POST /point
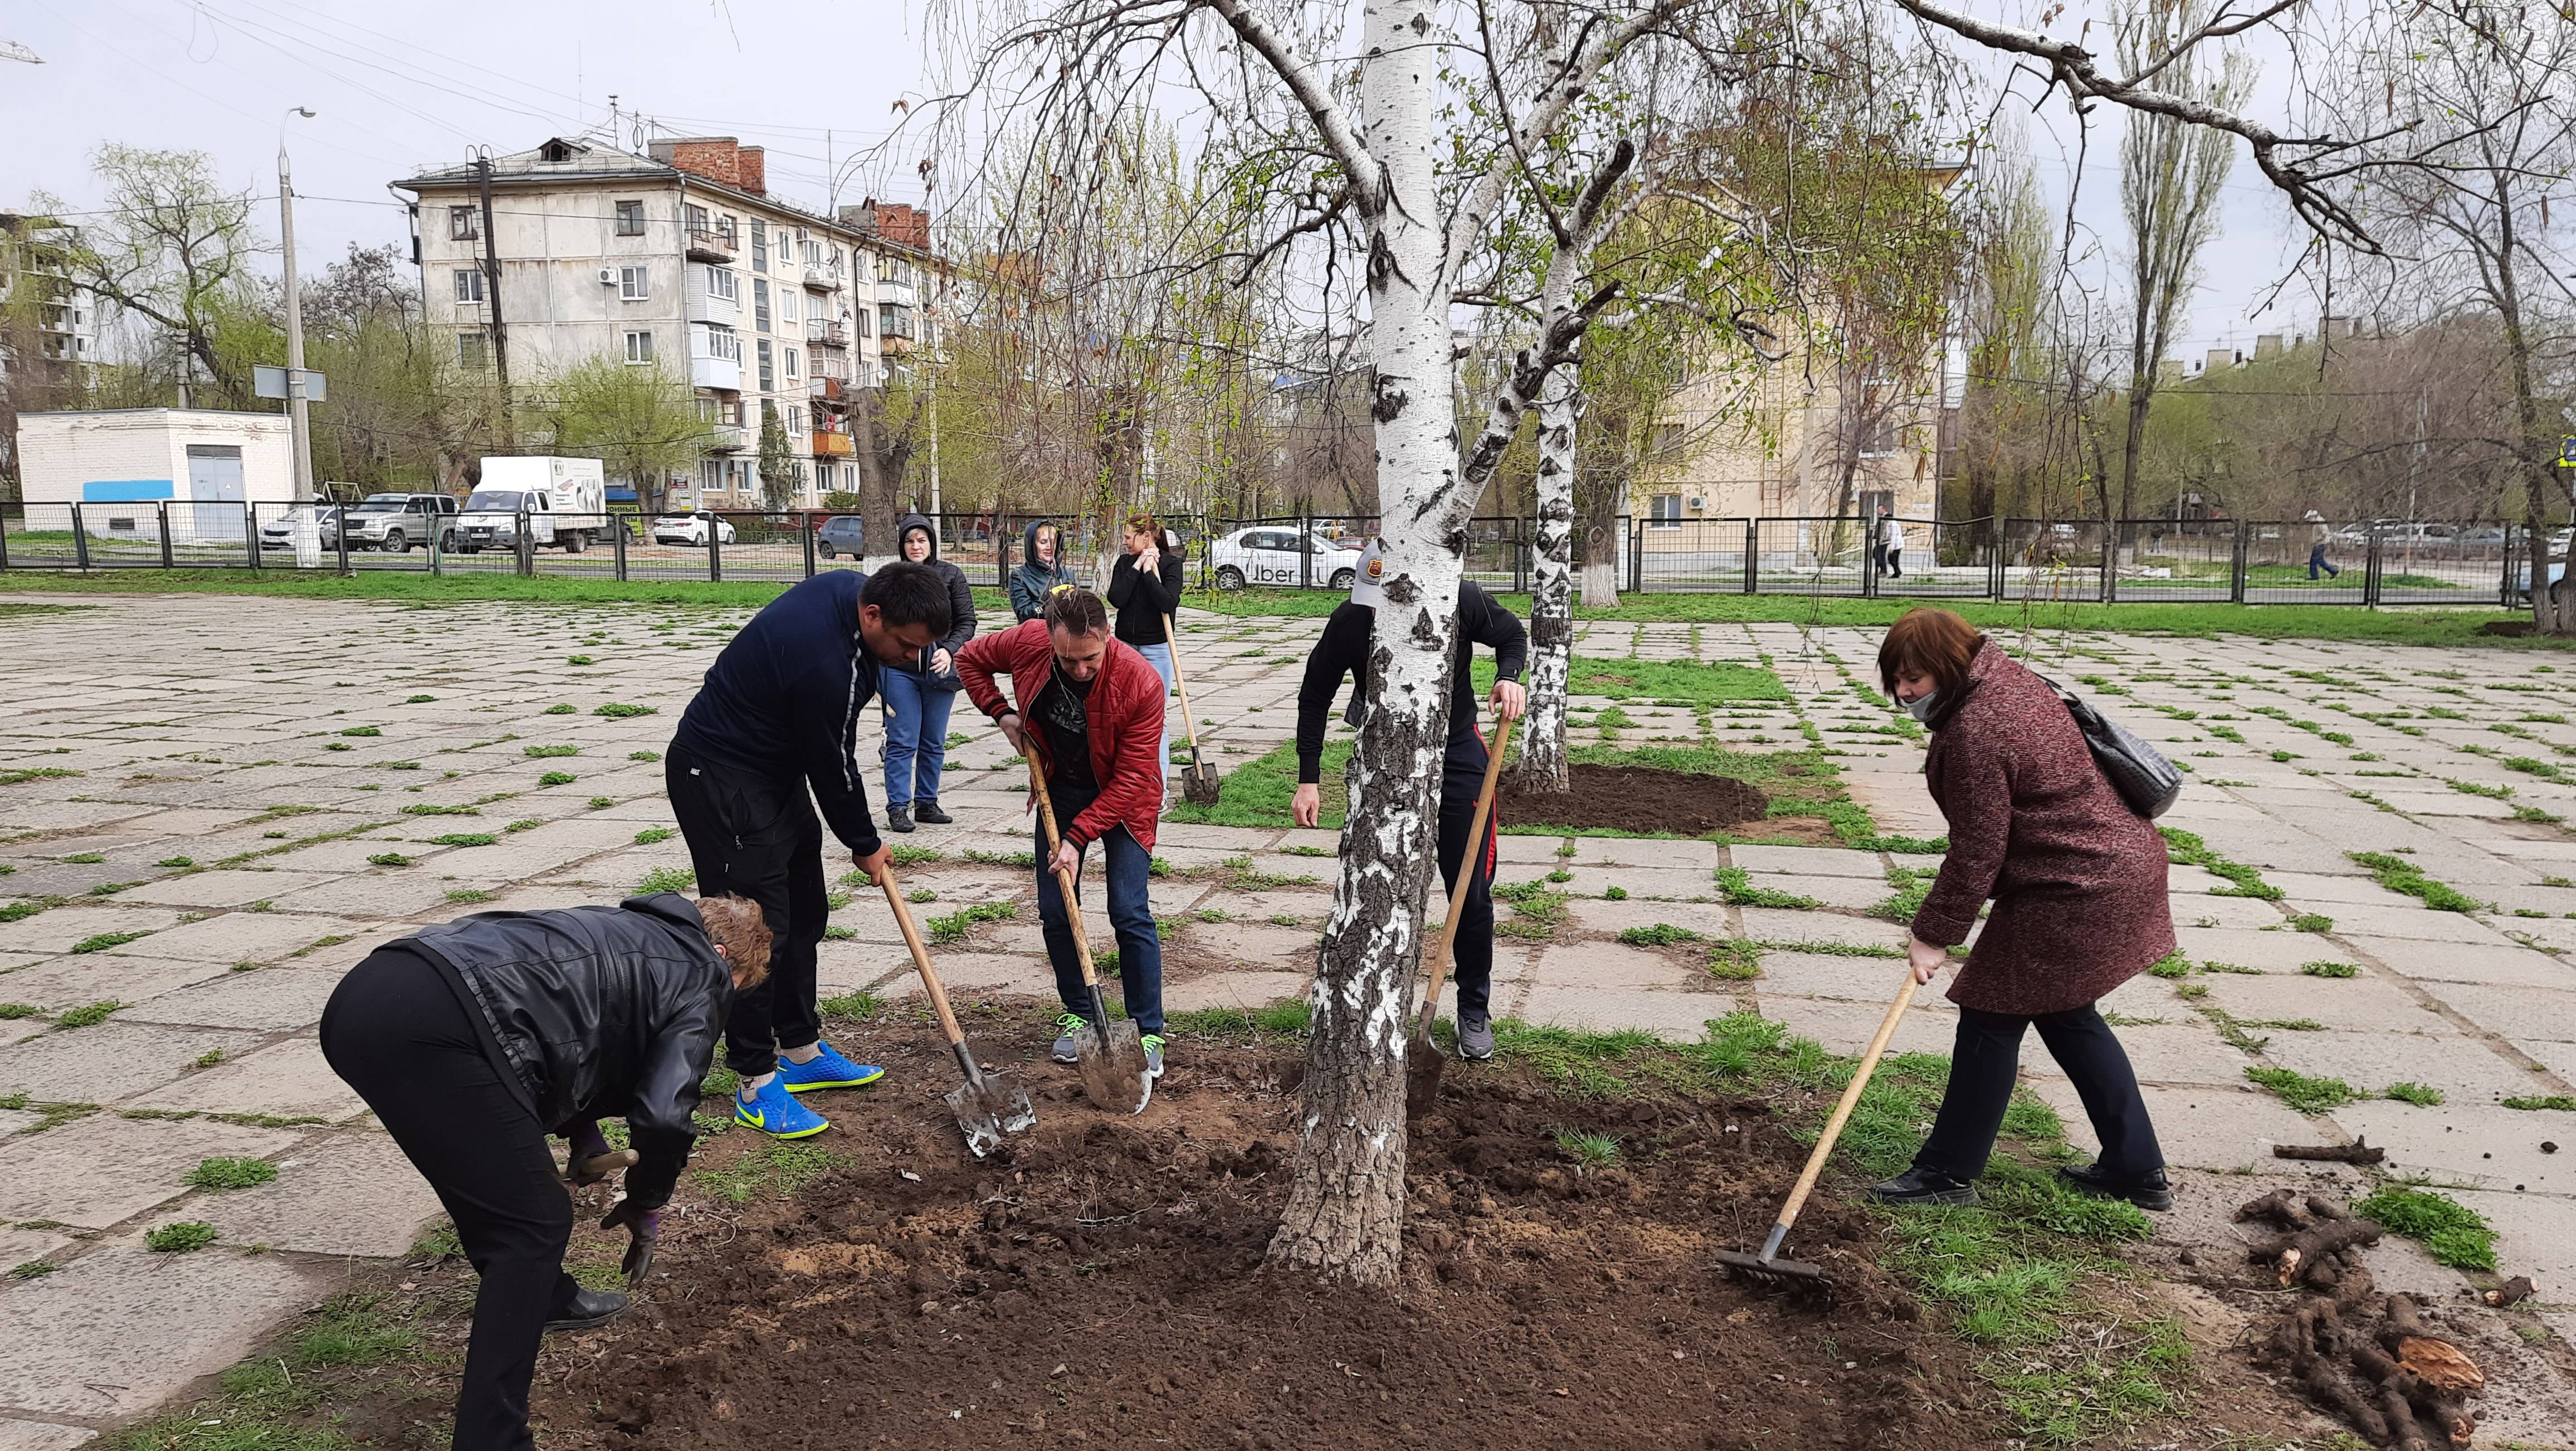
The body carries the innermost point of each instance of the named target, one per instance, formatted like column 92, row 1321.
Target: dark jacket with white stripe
column 783, row 701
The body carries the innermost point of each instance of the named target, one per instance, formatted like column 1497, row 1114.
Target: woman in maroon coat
column 2078, row 883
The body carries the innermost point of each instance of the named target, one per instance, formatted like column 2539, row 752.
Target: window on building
column 464, row 224
column 639, row 347
column 791, row 364
column 722, row 283
column 894, row 320
column 715, row 340
column 824, row 480
column 694, row 217
column 787, row 304
column 768, row 375
column 759, row 245
column 474, row 351
column 1668, row 438
column 894, row 270
column 1664, row 511
column 630, row 219
column 469, row 284
column 759, row 304
column 867, row 323
column 634, row 284
column 725, row 227
column 1878, row 438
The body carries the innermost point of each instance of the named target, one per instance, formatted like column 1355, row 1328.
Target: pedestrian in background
column 2317, row 536
column 2078, row 885
column 1144, row 591
column 1891, row 545
column 1041, row 571
column 916, row 701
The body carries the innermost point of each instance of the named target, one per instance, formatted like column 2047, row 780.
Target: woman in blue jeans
column 916, row 702
column 1144, row 589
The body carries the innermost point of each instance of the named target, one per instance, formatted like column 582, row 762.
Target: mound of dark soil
column 2510, row 629
column 1100, row 1281
column 1636, row 798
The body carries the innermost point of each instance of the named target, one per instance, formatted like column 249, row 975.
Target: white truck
column 565, row 501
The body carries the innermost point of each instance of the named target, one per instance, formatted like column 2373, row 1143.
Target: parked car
column 278, row 531
column 394, row 523
column 562, row 499
column 1271, row 556
column 841, row 534
column 2489, row 536
column 691, row 529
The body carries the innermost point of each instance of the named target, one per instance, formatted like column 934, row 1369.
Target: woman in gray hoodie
column 916, row 702
column 1041, row 569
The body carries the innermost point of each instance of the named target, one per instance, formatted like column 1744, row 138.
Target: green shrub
column 171, row 1239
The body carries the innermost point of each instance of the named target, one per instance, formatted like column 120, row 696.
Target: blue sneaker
column 828, row 1070
column 775, row 1112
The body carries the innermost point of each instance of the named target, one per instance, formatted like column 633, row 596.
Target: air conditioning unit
column 608, row 277
column 1698, row 502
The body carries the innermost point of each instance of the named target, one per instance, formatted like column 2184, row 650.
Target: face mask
column 1921, row 707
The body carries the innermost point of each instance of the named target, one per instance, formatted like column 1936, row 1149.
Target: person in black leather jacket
column 472, row 1039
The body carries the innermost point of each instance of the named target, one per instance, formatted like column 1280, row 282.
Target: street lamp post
column 308, row 534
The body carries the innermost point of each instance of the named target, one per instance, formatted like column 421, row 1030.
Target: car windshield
column 383, row 504
column 504, row 501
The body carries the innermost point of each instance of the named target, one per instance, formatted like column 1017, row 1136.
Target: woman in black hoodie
column 916, row 703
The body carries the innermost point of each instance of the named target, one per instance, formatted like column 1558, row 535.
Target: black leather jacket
column 601, row 1012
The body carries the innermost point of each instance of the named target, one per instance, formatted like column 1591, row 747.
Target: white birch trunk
column 1543, row 765
column 1345, row 1210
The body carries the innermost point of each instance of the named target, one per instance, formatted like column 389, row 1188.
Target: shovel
column 1767, row 1268
column 986, row 1107
column 1198, row 780
column 1109, row 1056
column 1423, row 1060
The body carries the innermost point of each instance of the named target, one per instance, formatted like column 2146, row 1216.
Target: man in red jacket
column 1089, row 711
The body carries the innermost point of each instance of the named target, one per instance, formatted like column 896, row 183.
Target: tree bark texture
column 1543, row 764
column 1345, row 1212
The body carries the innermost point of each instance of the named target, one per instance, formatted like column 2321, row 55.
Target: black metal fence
column 2305, row 561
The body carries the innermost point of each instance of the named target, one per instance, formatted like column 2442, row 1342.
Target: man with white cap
column 1344, row 650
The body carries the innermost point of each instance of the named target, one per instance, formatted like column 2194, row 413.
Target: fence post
column 1636, row 553
column 1752, row 555
column 4, row 538
column 1521, row 554
column 2236, row 566
column 1997, row 531
column 161, row 508
column 1306, row 550
column 523, row 542
column 1868, row 556
column 250, row 535
column 431, row 546
column 2370, row 565
column 805, row 526
column 80, row 538
column 2110, row 562
column 617, row 543
column 715, row 549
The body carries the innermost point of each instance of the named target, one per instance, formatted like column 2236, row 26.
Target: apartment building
column 681, row 259
column 48, row 323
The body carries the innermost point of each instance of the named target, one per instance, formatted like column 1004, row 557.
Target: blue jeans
column 916, row 727
column 1131, row 916
column 1160, row 657
column 2317, row 560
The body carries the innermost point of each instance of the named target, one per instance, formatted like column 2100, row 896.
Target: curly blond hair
column 735, row 924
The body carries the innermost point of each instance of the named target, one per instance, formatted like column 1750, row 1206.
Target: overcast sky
column 401, row 88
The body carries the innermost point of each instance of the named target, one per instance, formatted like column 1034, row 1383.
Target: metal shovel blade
column 1423, row 1064
column 989, row 1108
column 1199, row 783
column 1113, row 1069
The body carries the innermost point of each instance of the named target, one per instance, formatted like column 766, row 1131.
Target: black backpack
column 2138, row 771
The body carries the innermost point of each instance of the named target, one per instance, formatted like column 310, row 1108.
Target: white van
column 565, row 501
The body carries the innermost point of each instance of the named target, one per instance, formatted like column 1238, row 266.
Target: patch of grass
column 1736, row 886
column 1588, row 1150
column 2328, row 969
column 1912, row 885
column 981, row 858
column 952, row 929
column 1737, row 959
column 2312, row 922
column 105, row 940
column 652, row 834
column 32, row 1269
column 2243, row 881
column 2423, row 1095
column 544, row 753
column 2529, row 767
column 363, row 731
column 176, row 861
column 643, row 755
column 425, row 808
column 913, row 856
column 2479, row 788
column 2450, row 1231
column 21, row 910
column 557, row 778
column 1282, row 1019
column 179, row 1238
column 2400, row 875
column 617, row 710
column 2305, row 1094
column 16, row 775
column 667, row 879
column 770, row 1171
column 1536, row 911
column 465, row 838
column 230, row 1173
column 857, row 1007
column 85, row 859
column 10, row 1011
column 468, row 894
column 2559, row 1101
column 1662, row 934
column 389, row 859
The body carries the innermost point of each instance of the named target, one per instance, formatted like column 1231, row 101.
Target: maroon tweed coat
column 2077, row 878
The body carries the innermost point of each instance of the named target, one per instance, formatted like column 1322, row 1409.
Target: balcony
column 722, row 374
column 708, row 244
column 826, row 334
column 827, row 389
column 831, row 445
column 727, row 438
column 822, row 277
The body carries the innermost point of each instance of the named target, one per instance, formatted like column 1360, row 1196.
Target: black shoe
column 588, row 1311
column 927, row 812
column 2147, row 1191
column 898, row 818
column 1923, row 1187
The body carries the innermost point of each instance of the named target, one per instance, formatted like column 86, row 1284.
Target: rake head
column 1794, row 1276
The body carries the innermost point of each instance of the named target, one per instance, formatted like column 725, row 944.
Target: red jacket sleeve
column 976, row 663
column 1976, row 797
column 1133, row 790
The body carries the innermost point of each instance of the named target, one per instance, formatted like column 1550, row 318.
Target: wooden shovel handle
column 1063, row 879
column 1445, row 949
column 1851, row 1096
column 1181, row 683
column 921, row 960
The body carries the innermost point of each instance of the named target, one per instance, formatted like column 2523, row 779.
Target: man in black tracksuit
column 779, row 713
column 1344, row 649
column 473, row 1039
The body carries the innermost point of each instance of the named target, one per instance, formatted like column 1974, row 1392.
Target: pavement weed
column 1662, row 934
column 2328, row 969
column 2450, row 1231
column 179, row 1238
column 666, row 879
column 230, row 1173
column 2400, row 875
column 2559, row 1101
column 2422, row 1095
column 2299, row 1091
column 1736, row 886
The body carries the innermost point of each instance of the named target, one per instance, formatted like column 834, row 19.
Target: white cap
column 1365, row 586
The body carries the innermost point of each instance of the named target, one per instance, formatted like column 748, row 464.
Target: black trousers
column 1472, row 961
column 395, row 1030
column 1988, row 1060
column 759, row 839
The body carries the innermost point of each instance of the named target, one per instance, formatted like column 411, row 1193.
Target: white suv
column 691, row 529
column 1267, row 555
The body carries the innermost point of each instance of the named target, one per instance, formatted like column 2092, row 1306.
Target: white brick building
column 683, row 259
